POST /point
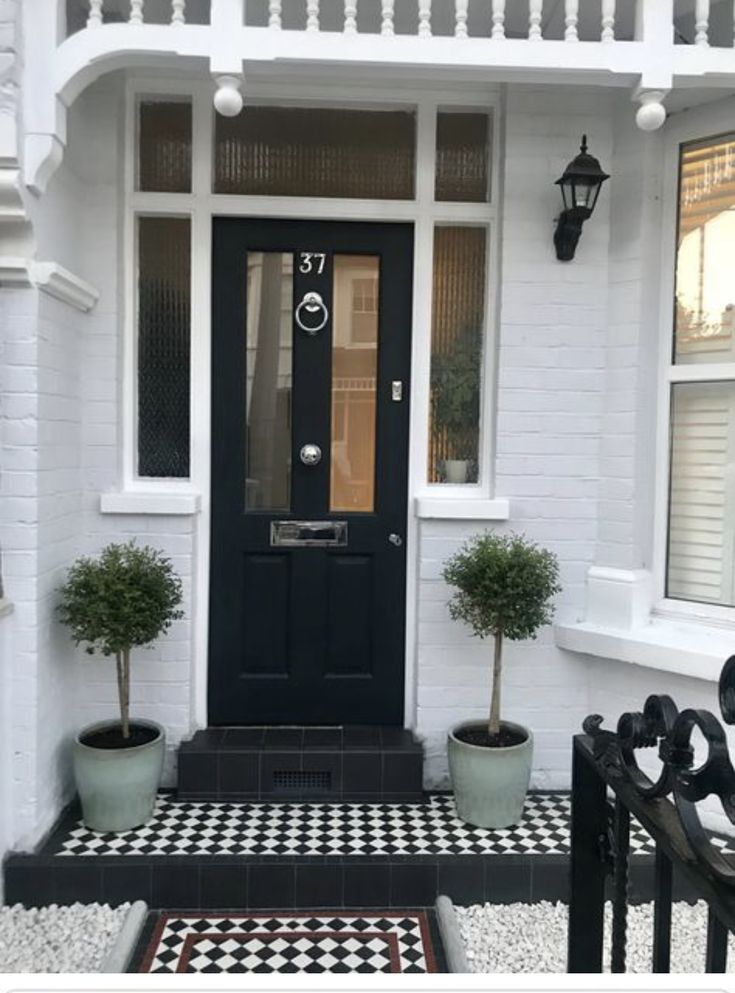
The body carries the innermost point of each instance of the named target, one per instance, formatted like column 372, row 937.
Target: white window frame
column 692, row 126
column 423, row 211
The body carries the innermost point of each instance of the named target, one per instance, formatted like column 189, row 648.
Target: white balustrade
column 535, row 12
column 136, row 11
column 312, row 15
column 701, row 22
column 424, row 18
column 178, row 7
column 350, row 26
column 460, row 18
column 95, row 14
column 274, row 14
column 608, row 20
column 571, row 17
column 386, row 26
column 498, row 30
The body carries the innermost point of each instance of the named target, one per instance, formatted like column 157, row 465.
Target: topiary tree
column 504, row 585
column 126, row 597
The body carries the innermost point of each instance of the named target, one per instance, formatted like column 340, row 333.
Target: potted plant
column 455, row 401
column 503, row 589
column 126, row 597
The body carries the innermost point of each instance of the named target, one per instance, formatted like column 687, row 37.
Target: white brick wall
column 551, row 376
column 573, row 430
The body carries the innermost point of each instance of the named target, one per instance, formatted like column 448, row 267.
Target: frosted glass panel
column 164, row 303
column 269, row 380
column 705, row 289
column 702, row 493
column 289, row 151
column 164, row 147
column 462, row 156
column 458, row 317
column 354, row 377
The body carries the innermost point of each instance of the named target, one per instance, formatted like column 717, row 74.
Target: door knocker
column 312, row 314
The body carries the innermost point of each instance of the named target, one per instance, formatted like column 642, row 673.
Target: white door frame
column 201, row 205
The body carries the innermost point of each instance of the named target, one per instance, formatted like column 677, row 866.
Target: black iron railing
column 608, row 787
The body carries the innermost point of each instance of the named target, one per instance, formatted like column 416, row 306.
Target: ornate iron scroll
column 662, row 725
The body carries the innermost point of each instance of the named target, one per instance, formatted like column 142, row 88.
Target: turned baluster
column 608, row 20
column 535, row 12
column 350, row 17
column 386, row 27
column 424, row 18
column 136, row 11
column 460, row 18
column 701, row 22
column 571, row 16
column 498, row 31
column 274, row 14
column 95, row 14
column 177, row 11
column 312, row 15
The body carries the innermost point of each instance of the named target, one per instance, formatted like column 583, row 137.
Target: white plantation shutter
column 702, row 499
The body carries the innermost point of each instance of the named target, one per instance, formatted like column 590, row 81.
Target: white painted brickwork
column 550, row 382
column 575, row 393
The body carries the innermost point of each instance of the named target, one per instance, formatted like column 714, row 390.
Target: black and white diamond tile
column 293, row 829
column 313, row 943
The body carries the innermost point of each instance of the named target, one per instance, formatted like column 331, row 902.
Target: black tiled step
column 238, row 883
column 354, row 764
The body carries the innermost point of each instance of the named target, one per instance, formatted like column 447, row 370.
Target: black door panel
column 304, row 632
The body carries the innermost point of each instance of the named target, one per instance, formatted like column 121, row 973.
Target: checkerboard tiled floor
column 263, row 943
column 293, row 829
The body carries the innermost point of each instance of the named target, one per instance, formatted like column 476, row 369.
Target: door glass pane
column 705, row 290
column 354, row 381
column 309, row 152
column 268, row 369
column 702, row 493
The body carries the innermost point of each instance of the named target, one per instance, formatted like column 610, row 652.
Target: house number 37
column 312, row 262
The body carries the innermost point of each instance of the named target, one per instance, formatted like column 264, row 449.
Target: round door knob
column 395, row 539
column 310, row 454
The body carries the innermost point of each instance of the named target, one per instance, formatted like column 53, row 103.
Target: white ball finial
column 228, row 98
column 651, row 114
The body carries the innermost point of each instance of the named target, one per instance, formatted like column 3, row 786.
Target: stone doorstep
column 350, row 764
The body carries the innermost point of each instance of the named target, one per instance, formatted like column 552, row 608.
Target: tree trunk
column 493, row 727
column 123, row 689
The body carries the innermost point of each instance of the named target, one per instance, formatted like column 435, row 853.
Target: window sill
column 454, row 509
column 686, row 649
column 150, row 502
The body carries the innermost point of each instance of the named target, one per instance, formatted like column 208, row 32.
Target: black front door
column 310, row 409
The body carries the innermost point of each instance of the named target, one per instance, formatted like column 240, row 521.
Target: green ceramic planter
column 490, row 784
column 117, row 786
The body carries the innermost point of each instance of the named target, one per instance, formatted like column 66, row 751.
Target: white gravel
column 58, row 939
column 521, row 937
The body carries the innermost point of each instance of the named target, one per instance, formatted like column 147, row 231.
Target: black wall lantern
column 580, row 188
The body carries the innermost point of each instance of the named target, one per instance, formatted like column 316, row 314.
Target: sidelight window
column 457, row 349
column 163, row 345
